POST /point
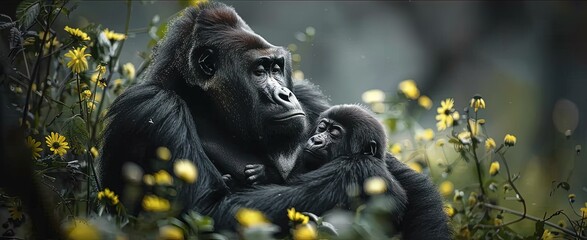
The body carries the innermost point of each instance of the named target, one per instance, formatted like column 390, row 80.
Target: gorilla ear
column 371, row 149
column 207, row 61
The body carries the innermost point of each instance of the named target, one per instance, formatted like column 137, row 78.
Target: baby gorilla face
column 327, row 141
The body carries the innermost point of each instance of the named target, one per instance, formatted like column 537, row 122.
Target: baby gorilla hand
column 255, row 174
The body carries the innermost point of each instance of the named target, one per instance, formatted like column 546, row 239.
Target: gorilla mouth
column 288, row 115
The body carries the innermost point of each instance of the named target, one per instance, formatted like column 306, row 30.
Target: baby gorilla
column 342, row 130
column 345, row 150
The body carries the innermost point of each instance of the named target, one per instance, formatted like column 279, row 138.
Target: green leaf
column 26, row 12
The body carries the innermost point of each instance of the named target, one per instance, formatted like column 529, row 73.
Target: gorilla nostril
column 284, row 96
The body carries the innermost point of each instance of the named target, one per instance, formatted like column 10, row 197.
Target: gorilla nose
column 283, row 96
column 315, row 142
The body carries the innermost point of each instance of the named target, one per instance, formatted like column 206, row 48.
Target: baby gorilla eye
column 321, row 127
column 276, row 68
column 335, row 131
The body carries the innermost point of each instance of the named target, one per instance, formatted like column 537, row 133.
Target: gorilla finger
column 251, row 171
column 252, row 178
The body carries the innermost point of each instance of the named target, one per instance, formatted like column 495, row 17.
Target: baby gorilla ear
column 371, row 149
column 207, row 61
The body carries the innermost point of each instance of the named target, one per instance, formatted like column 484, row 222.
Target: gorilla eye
column 276, row 68
column 335, row 132
column 321, row 127
column 260, row 70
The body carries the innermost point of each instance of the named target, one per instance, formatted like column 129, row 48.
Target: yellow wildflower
column 185, row 170
column 375, row 186
column 415, row 166
column 584, row 210
column 562, row 223
column 449, row 210
column 108, row 197
column 86, row 94
column 170, row 232
column 477, row 103
column 464, row 137
column 95, row 152
column 497, row 221
column 458, row 196
column 475, row 127
column 547, row 235
column 80, row 229
column 572, row 198
column 297, row 217
column 247, row 217
column 128, row 70
column 91, row 106
column 78, row 62
column 373, row 96
column 489, row 144
column 98, row 78
column 446, row 188
column 34, row 146
column 15, row 211
column 510, row 140
column 305, row 232
column 426, row 135
column 494, row 168
column 446, row 114
column 154, row 203
column 57, row 143
column 149, row 180
column 409, row 89
column 163, row 153
column 440, row 142
column 77, row 33
column 395, row 149
column 425, row 102
column 163, row 178
column 112, row 36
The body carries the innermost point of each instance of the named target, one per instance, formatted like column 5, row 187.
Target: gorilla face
column 248, row 82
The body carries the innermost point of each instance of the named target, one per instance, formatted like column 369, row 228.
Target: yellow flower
column 34, row 146
column 77, row 33
column 426, row 135
column 99, row 78
column 297, row 217
column 91, row 106
column 80, row 229
column 185, row 170
column 584, row 210
column 305, row 232
column 494, row 168
column 78, row 62
column 475, row 127
column 446, row 114
column 170, row 232
column 148, row 179
column 86, row 94
column 163, row 153
column 163, row 178
column 128, row 70
column 94, row 152
column 112, row 36
column 373, row 96
column 108, row 197
column 510, row 140
column 464, row 137
column 425, row 102
column 440, row 142
column 247, row 217
column 489, row 144
column 449, row 210
column 547, row 235
column 415, row 166
column 477, row 103
column 409, row 89
column 57, row 143
column 562, row 223
column 101, row 69
column 15, row 211
column 497, row 221
column 572, row 198
column 155, row 204
column 375, row 186
column 395, row 149
column 446, row 188
column 197, row 2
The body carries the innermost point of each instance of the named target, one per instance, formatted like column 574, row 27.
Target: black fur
column 208, row 111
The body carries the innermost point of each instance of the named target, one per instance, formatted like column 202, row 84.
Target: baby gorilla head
column 344, row 130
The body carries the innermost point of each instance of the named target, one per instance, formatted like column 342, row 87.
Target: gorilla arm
column 318, row 191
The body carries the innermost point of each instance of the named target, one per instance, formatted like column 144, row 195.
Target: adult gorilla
column 218, row 94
